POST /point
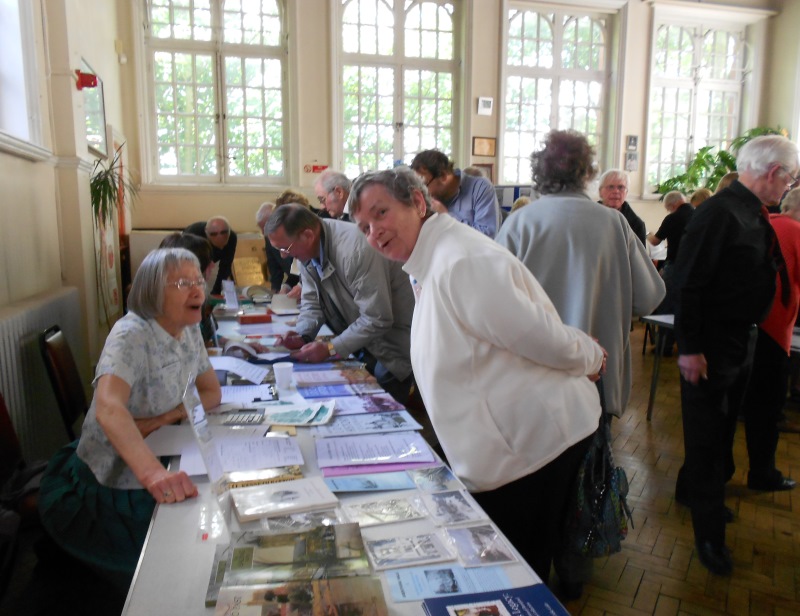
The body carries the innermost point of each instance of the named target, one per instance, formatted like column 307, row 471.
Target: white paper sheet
column 173, row 440
column 246, row 394
column 241, row 454
column 251, row 372
column 367, row 449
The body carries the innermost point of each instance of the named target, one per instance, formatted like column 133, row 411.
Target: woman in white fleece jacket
column 504, row 380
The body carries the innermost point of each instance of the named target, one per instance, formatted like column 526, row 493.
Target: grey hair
column 612, row 174
column 334, row 179
column 760, row 153
column 263, row 213
column 146, row 298
column 400, row 183
column 222, row 218
column 293, row 217
column 673, row 198
column 791, row 201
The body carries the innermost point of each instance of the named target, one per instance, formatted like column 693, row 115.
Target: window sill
column 23, row 149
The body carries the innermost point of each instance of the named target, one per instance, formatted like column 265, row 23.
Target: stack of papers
column 296, row 496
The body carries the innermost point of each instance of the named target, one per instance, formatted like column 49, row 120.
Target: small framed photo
column 631, row 161
column 632, row 143
column 485, row 105
column 484, row 146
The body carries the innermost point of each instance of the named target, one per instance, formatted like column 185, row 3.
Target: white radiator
column 23, row 378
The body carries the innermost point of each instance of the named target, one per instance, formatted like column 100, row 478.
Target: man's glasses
column 795, row 181
column 216, row 233
column 618, row 187
column 184, row 283
column 324, row 198
column 285, row 251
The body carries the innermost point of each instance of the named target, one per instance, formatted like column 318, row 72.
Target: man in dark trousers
column 725, row 275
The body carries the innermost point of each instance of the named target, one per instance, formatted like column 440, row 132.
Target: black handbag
column 597, row 512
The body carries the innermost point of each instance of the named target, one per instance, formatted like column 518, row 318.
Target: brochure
column 391, row 421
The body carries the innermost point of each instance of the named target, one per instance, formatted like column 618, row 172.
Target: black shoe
column 776, row 483
column 715, row 558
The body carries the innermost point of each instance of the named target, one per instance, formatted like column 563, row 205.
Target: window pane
column 181, row 20
column 368, row 26
column 252, row 22
column 429, row 31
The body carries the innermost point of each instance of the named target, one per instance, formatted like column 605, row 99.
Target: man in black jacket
column 217, row 230
column 613, row 192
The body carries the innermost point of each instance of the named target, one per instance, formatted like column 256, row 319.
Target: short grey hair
column 613, row 174
column 791, row 202
column 294, row 218
column 215, row 218
column 146, row 298
column 674, row 198
column 760, row 153
column 263, row 213
column 400, row 183
column 329, row 180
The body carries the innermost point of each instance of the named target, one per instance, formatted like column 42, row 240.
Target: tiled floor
column 657, row 571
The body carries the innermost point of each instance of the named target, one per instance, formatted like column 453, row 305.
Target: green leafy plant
column 108, row 186
column 708, row 167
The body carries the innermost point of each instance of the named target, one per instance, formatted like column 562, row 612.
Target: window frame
column 724, row 18
column 219, row 51
column 399, row 63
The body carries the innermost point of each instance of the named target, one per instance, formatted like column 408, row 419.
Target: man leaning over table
column 364, row 298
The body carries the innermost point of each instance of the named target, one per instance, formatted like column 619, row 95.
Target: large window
column 556, row 67
column 398, row 79
column 217, row 99
column 695, row 94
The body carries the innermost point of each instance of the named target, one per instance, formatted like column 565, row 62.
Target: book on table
column 251, row 558
column 345, row 596
column 259, row 501
column 528, row 600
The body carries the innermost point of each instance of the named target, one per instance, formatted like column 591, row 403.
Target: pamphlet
column 417, row 583
column 369, row 449
column 391, row 421
column 399, row 480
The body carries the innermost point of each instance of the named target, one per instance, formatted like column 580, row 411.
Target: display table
column 661, row 323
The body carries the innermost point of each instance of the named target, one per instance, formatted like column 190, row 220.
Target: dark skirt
column 103, row 527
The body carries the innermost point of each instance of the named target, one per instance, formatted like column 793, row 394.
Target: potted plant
column 707, row 167
column 109, row 187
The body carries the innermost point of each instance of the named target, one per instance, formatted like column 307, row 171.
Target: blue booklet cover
column 526, row 601
column 370, row 482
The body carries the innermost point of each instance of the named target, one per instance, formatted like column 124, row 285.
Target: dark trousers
column 763, row 404
column 710, row 410
column 530, row 511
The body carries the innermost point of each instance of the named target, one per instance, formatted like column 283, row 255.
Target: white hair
column 760, row 153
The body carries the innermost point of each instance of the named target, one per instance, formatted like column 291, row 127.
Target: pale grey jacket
column 364, row 298
column 595, row 271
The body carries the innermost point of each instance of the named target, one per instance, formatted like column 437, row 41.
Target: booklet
column 362, row 595
column 371, row 403
column 334, row 391
column 480, row 545
column 406, row 551
column 295, row 496
column 391, row 421
column 389, row 448
column 529, row 600
column 262, row 558
column 398, row 480
column 417, row 583
column 383, row 511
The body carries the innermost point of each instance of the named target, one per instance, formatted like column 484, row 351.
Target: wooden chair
column 64, row 377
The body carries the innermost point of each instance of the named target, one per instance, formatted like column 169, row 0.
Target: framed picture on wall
column 95, row 112
column 488, row 170
column 484, row 146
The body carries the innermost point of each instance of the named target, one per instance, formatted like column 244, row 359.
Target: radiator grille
column 23, row 377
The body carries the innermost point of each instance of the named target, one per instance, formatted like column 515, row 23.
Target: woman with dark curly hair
column 587, row 258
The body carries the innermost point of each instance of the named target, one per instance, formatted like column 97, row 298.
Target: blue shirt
column 475, row 204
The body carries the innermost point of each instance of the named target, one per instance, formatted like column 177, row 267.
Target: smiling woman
column 98, row 493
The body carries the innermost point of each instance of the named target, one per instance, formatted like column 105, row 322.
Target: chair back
column 64, row 376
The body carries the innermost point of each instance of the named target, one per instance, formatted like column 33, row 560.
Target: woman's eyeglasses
column 184, row 283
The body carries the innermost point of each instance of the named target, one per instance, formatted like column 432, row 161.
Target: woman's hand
column 147, row 425
column 168, row 487
column 596, row 377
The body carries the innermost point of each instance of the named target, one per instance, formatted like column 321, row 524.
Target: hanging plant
column 107, row 187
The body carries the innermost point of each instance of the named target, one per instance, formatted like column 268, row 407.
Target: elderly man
column 725, row 277
column 613, row 192
column 281, row 277
column 332, row 189
column 365, row 299
column 467, row 198
column 766, row 393
column 223, row 246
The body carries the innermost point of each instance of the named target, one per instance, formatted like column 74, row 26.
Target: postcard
column 452, row 507
column 480, row 545
column 299, row 522
column 383, row 511
column 406, row 551
column 435, row 479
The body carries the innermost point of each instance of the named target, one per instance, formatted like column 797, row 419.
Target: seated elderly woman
column 98, row 494
column 504, row 381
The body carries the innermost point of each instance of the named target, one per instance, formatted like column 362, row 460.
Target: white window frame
column 722, row 18
column 611, row 11
column 145, row 80
column 399, row 63
column 17, row 28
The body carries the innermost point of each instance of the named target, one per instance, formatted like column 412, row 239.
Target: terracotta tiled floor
column 657, row 571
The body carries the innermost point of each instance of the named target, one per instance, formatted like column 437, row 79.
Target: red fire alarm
column 85, row 80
